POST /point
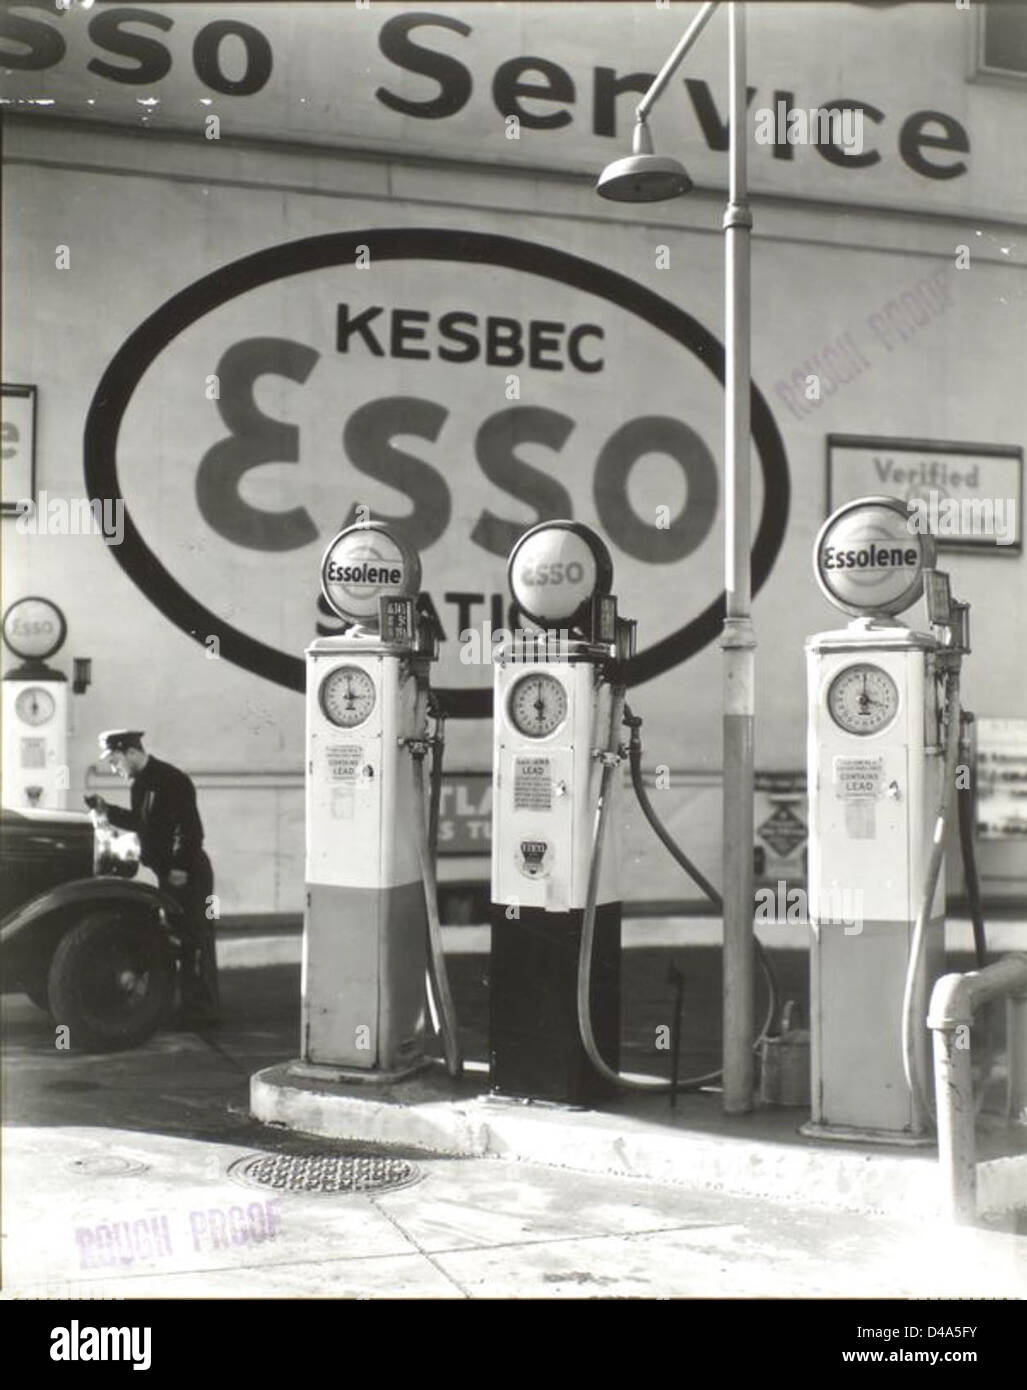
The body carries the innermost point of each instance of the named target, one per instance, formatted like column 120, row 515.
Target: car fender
column 84, row 892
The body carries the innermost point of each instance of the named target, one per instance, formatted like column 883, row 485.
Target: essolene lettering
column 870, row 557
column 363, row 574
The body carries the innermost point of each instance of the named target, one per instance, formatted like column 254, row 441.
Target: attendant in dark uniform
column 170, row 831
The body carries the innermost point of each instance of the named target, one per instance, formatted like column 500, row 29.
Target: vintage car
column 83, row 940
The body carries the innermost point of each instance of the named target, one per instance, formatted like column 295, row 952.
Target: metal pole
column 957, row 1152
column 954, row 1002
column 672, row 64
column 738, row 642
column 1016, row 1048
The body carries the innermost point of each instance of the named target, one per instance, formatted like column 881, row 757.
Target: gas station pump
column 882, row 748
column 557, row 713
column 35, row 707
column 559, row 707
column 371, row 926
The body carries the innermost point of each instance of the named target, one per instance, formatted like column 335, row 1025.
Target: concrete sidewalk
column 119, row 1181
column 170, row 1223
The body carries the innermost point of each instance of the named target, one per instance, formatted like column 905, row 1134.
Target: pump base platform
column 322, row 1071
column 536, row 1050
column 849, row 1135
column 760, row 1154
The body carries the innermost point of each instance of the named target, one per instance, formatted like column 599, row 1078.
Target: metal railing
column 954, row 1000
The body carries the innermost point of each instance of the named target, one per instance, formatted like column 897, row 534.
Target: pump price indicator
column 863, row 699
column 35, row 705
column 538, row 705
column 347, row 696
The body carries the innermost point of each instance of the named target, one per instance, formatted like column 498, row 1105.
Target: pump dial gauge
column 538, row 705
column 863, row 699
column 347, row 696
column 35, row 705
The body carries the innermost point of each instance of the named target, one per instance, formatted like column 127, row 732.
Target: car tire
column 112, row 981
column 38, row 992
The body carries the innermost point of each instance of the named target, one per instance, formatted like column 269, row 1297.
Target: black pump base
column 535, row 1050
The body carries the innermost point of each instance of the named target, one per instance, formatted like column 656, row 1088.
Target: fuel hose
column 965, row 810
column 437, row 974
column 956, row 747
column 914, row 1080
column 610, row 758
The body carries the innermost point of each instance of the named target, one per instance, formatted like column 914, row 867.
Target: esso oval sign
column 556, row 569
column 458, row 387
column 869, row 559
column 362, row 564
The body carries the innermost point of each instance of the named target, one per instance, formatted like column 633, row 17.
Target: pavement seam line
column 216, row 1047
column 115, row 1275
column 600, row 1235
column 465, row 1293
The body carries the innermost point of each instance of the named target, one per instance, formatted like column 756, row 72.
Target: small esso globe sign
column 34, row 628
column 555, row 570
column 364, row 563
column 868, row 557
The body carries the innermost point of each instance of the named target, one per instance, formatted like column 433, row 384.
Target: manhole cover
column 106, row 1165
column 330, row 1173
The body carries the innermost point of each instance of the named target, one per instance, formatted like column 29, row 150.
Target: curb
column 421, row 1113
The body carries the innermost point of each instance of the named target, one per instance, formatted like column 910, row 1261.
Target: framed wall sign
column 1002, row 779
column 969, row 496
column 17, row 446
column 999, row 45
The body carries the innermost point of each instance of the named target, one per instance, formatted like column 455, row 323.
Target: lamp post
column 646, row 177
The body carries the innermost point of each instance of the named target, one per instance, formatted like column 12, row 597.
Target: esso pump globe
column 556, row 569
column 34, row 629
column 364, row 563
column 868, row 559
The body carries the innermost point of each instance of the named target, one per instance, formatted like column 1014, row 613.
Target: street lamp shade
column 643, row 177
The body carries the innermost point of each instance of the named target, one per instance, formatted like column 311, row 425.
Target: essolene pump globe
column 869, row 560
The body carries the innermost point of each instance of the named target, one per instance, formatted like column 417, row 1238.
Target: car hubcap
column 119, row 982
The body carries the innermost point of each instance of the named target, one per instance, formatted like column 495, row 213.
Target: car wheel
column 111, row 981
